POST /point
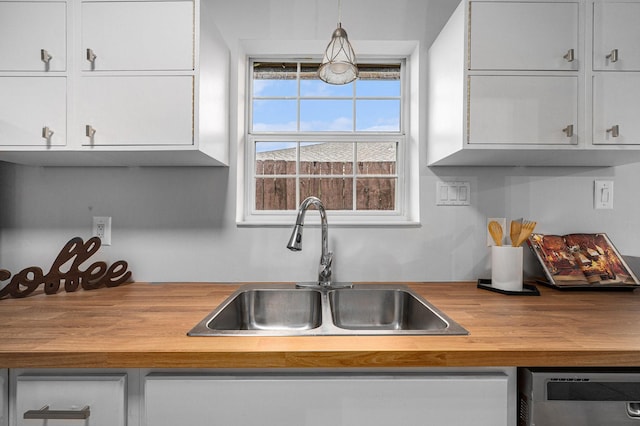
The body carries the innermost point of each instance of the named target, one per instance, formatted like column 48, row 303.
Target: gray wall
column 178, row 224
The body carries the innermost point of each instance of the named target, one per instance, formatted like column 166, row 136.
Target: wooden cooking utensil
column 514, row 231
column 525, row 232
column 495, row 230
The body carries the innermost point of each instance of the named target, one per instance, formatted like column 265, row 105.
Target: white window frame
column 407, row 194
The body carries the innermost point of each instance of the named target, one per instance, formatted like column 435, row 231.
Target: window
column 344, row 144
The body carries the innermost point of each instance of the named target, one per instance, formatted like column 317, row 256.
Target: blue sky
column 275, row 106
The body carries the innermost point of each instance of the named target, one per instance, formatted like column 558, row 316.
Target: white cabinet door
column 523, row 110
column 146, row 35
column 325, row 400
column 28, row 105
column 136, row 110
column 523, row 36
column 616, row 108
column 101, row 398
column 616, row 32
column 28, row 27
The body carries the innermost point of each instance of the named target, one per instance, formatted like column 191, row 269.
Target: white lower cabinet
column 158, row 397
column 61, row 399
column 326, row 399
column 4, row 397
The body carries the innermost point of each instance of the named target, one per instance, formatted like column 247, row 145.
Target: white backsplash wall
column 178, row 224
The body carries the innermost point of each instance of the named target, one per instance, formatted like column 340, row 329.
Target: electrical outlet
column 102, row 229
column 503, row 223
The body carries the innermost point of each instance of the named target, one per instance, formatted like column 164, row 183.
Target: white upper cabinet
column 159, row 110
column 616, row 34
column 125, row 36
column 616, row 73
column 522, row 109
column 523, row 36
column 145, row 83
column 616, row 109
column 33, row 36
column 520, row 83
column 33, row 111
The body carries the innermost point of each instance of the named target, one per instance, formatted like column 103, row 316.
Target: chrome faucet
column 326, row 257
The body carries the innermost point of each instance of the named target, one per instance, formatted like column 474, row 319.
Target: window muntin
column 343, row 144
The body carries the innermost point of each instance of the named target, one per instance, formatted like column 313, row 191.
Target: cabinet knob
column 570, row 55
column 47, row 133
column 613, row 56
column 568, row 130
column 45, row 414
column 91, row 57
column 614, row 130
column 46, row 58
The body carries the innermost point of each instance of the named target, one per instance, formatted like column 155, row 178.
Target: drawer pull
column 613, row 56
column 45, row 414
column 90, row 132
column 91, row 57
column 614, row 130
column 570, row 55
column 568, row 130
column 46, row 58
column 47, row 133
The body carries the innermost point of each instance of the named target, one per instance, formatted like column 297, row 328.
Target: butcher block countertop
column 144, row 325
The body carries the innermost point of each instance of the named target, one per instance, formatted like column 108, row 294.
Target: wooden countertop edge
column 315, row 359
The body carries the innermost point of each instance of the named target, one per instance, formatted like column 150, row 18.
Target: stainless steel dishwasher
column 584, row 397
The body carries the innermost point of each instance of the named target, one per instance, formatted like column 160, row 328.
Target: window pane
column 326, row 115
column 275, row 80
column 376, row 194
column 274, row 116
column 378, row 88
column 349, row 172
column 275, row 158
column 274, row 88
column 378, row 115
column 377, row 158
column 336, row 193
column 318, row 88
column 326, row 158
column 275, row 194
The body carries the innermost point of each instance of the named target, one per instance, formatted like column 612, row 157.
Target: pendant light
column 339, row 61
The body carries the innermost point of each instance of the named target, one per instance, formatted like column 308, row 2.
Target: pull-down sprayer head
column 295, row 242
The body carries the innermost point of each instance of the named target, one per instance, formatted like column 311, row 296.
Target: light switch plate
column 603, row 194
column 449, row 193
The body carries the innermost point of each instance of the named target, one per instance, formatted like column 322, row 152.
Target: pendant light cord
column 339, row 12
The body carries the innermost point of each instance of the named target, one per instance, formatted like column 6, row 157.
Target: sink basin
column 284, row 310
column 270, row 309
column 382, row 309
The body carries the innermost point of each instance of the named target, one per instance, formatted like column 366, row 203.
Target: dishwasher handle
column 633, row 409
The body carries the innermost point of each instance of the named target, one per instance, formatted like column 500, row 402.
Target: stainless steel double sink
column 285, row 310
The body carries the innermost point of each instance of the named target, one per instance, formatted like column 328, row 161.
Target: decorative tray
column 527, row 289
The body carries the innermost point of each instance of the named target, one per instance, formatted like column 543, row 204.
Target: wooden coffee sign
column 73, row 254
